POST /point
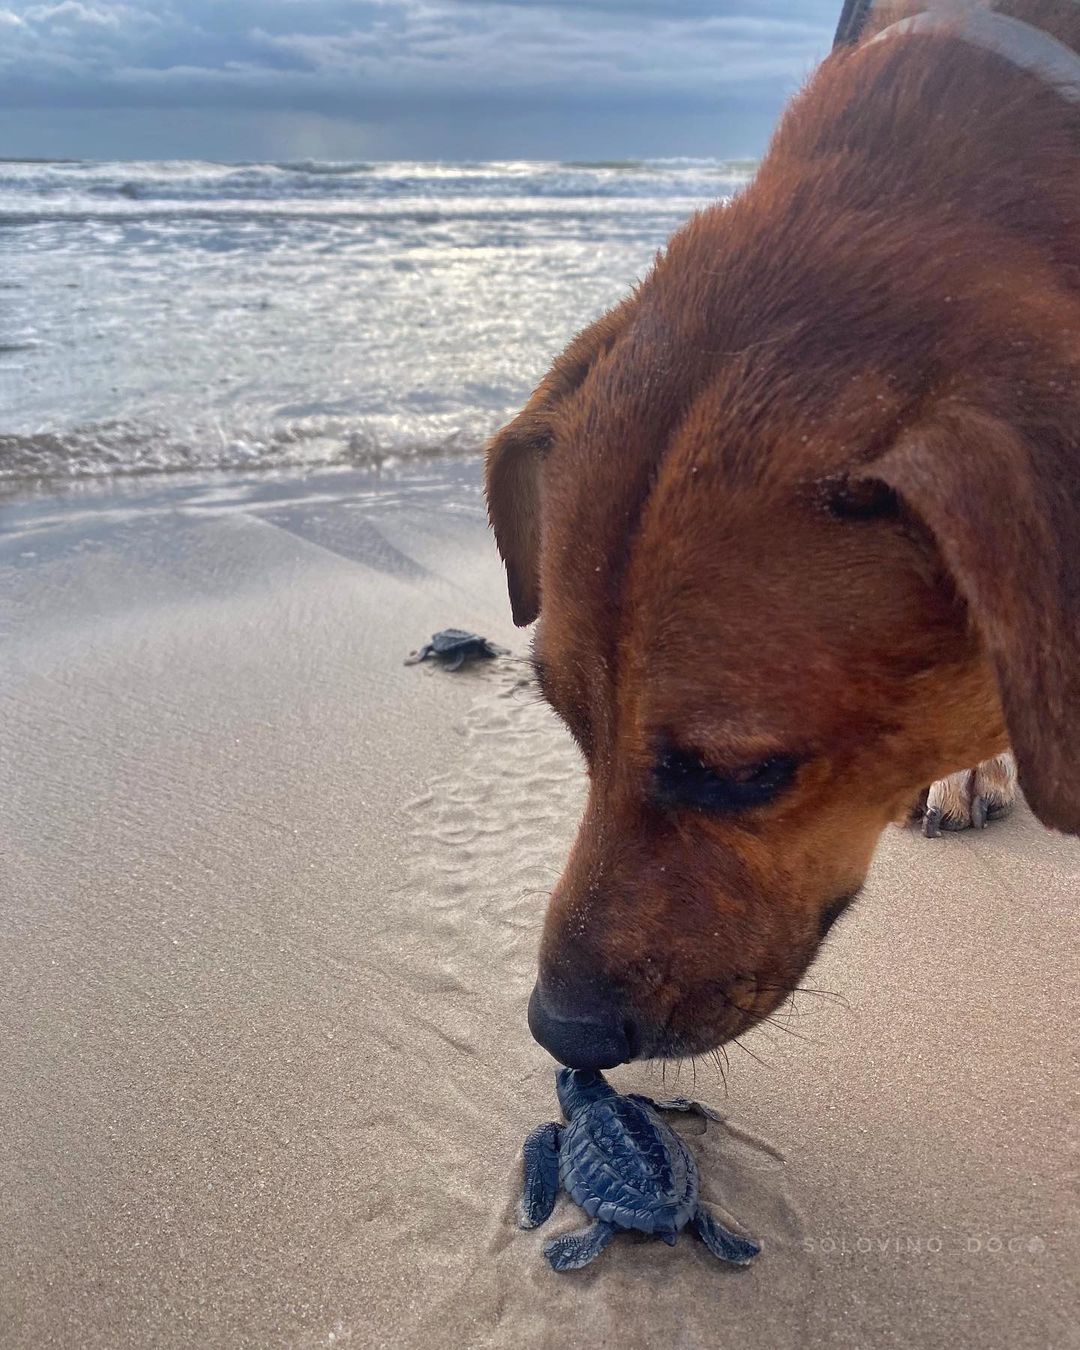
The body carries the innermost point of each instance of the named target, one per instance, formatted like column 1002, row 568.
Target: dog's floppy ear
column 1004, row 509
column 515, row 459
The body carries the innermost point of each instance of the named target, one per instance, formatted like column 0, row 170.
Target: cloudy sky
column 235, row 79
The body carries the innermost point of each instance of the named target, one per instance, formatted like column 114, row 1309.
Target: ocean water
column 166, row 316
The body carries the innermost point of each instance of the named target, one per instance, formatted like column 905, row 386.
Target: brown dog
column 801, row 522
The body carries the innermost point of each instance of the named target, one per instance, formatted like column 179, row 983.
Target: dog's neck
column 1022, row 44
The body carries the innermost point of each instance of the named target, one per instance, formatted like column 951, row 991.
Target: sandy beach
column 269, row 903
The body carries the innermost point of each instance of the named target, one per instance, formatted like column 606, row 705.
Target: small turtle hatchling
column 453, row 647
column 625, row 1167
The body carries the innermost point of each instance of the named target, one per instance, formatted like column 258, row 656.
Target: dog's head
column 799, row 541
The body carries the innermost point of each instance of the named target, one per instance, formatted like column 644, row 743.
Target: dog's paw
column 971, row 799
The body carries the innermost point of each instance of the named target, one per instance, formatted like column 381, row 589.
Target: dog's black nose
column 592, row 1033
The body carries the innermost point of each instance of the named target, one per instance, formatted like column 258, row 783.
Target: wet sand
column 269, row 903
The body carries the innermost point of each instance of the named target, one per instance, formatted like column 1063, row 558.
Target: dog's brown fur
column 697, row 502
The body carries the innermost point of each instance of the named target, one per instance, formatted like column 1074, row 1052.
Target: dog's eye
column 861, row 499
column 683, row 779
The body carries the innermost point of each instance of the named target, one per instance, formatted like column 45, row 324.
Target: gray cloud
column 382, row 63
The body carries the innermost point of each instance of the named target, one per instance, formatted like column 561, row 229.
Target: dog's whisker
column 714, row 1055
column 795, row 1035
column 778, row 1025
column 787, row 1020
column 828, row 994
column 764, row 1064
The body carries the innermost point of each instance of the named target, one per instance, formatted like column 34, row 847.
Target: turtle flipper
column 670, row 1238
column 721, row 1241
column 574, row 1250
column 541, row 1176
column 679, row 1104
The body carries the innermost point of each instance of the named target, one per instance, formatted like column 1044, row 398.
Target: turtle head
column 578, row 1088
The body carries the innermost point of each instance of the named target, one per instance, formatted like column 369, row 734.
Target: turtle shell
column 453, row 640
column 623, row 1165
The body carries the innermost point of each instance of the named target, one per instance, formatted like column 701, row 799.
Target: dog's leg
column 972, row 798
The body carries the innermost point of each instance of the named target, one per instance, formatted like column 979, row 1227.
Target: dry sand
column 267, row 927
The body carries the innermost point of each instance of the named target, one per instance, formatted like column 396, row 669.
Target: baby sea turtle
column 625, row 1167
column 453, row 647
